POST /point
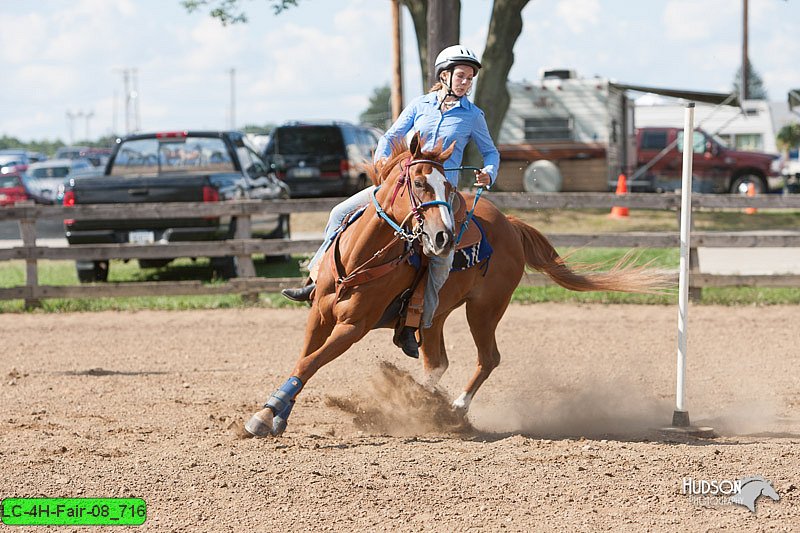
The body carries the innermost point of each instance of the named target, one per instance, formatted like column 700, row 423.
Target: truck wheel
column 92, row 271
column 740, row 184
column 225, row 267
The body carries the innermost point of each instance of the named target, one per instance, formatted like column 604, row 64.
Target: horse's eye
column 418, row 184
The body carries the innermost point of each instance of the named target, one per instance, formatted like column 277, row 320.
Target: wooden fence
column 243, row 246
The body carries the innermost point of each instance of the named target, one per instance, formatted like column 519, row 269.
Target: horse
column 364, row 271
column 751, row 489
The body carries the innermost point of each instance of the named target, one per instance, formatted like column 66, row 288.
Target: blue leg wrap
column 282, row 399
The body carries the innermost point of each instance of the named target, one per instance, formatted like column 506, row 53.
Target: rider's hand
column 482, row 179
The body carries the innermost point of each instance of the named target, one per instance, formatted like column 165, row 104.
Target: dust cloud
column 396, row 404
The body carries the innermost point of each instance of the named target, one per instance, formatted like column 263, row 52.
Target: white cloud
column 690, row 20
column 578, row 14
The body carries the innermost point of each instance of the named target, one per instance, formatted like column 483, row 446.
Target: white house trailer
column 751, row 127
column 565, row 133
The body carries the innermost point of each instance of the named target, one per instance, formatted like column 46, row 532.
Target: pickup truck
column 715, row 167
column 182, row 166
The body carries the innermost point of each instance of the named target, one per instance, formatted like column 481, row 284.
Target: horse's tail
column 621, row 277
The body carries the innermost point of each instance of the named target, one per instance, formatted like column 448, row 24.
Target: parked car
column 43, row 181
column 181, row 166
column 715, row 167
column 321, row 158
column 97, row 156
column 13, row 162
column 11, row 189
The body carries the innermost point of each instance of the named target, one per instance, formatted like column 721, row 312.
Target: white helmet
column 458, row 54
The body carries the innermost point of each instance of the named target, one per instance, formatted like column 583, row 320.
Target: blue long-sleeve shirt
column 462, row 122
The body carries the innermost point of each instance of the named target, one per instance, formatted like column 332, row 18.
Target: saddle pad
column 464, row 257
column 468, row 256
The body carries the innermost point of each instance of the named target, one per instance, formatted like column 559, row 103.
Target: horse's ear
column 416, row 146
column 447, row 153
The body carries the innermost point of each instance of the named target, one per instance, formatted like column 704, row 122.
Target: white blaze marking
column 437, row 181
column 462, row 402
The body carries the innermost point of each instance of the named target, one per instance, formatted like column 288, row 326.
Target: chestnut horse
column 412, row 206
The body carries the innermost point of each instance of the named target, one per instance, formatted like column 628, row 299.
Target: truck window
column 174, row 154
column 548, row 129
column 654, row 140
column 698, row 142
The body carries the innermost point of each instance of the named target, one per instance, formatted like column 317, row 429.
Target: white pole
column 683, row 282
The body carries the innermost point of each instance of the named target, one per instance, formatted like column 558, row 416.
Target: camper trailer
column 565, row 133
column 572, row 134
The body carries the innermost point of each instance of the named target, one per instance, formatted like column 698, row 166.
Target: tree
column 505, row 27
column 379, row 111
column 755, row 85
column 788, row 137
column 229, row 12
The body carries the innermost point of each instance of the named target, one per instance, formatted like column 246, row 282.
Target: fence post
column 27, row 230
column 245, row 261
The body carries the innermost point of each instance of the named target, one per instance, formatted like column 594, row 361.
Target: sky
column 324, row 58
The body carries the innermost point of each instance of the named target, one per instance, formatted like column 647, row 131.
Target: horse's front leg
column 272, row 419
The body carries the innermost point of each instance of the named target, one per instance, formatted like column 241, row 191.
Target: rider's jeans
column 438, row 270
column 335, row 219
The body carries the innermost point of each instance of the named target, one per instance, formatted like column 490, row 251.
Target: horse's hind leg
column 434, row 354
column 483, row 318
column 271, row 420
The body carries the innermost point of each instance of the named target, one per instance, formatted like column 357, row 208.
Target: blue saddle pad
column 465, row 257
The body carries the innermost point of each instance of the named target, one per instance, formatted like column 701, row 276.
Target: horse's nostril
column 441, row 239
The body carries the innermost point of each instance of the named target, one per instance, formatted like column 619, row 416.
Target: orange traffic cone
column 622, row 188
column 751, row 192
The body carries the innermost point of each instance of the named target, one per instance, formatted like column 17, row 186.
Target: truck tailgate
column 140, row 189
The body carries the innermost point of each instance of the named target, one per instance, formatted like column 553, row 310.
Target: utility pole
column 137, row 125
column 397, row 60
column 232, row 116
column 71, row 120
column 745, row 62
column 127, row 88
column 88, row 116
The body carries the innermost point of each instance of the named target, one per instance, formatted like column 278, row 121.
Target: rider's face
column 461, row 79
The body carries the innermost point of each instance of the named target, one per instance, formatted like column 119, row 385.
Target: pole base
column 681, row 426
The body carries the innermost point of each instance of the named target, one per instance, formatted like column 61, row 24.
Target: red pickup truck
column 715, row 167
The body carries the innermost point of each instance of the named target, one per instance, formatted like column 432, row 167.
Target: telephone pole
column 397, row 60
column 743, row 92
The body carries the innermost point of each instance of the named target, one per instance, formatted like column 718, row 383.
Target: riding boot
column 300, row 294
column 407, row 341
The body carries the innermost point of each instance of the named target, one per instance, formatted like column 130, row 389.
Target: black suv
column 321, row 158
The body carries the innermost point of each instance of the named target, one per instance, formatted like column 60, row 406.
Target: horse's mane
column 381, row 170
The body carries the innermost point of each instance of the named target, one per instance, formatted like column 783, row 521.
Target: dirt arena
column 564, row 433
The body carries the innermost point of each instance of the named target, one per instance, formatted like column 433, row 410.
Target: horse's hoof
column 260, row 424
column 278, row 426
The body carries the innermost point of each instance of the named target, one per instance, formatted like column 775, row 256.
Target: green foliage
column 379, row 110
column 755, row 85
column 789, row 136
column 231, row 11
column 265, row 129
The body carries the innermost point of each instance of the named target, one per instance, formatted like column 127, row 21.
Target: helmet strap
column 449, row 85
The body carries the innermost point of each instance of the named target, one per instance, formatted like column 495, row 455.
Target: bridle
column 417, row 206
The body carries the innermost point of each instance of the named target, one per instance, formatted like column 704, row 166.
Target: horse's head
column 420, row 176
